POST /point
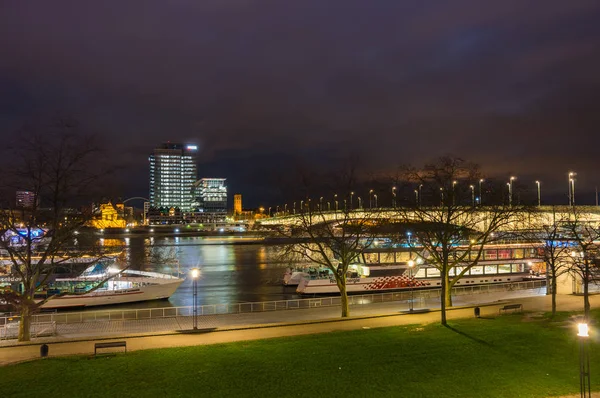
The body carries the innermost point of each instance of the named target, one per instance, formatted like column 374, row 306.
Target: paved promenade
column 162, row 333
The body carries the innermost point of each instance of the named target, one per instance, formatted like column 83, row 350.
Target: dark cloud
column 511, row 84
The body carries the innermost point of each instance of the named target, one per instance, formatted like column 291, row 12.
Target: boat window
column 517, row 253
column 477, row 270
column 460, row 253
column 491, row 269
column 504, row 269
column 491, row 254
column 518, row 268
column 371, row 258
column 432, row 272
column 504, row 254
column 420, row 274
column 402, row 257
column 386, row 258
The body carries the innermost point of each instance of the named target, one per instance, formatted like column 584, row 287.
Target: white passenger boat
column 388, row 270
column 126, row 287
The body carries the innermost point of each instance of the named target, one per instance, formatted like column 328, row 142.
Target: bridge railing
column 246, row 308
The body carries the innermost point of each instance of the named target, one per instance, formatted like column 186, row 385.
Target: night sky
column 264, row 85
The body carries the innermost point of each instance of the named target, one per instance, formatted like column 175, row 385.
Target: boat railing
column 244, row 308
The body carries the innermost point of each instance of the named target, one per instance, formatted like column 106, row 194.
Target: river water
column 232, row 271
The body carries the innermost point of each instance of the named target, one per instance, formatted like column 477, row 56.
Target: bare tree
column 449, row 231
column 585, row 252
column 332, row 240
column 550, row 236
column 42, row 237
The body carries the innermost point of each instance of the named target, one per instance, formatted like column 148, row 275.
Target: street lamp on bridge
column 539, row 193
column 375, row 196
column 472, row 195
column 480, row 193
column 336, row 201
column 394, row 197
column 351, row 195
column 454, row 192
column 370, row 199
column 359, row 202
column 572, row 188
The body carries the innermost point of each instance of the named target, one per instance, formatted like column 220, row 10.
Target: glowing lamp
column 583, row 330
column 411, row 263
column 195, row 273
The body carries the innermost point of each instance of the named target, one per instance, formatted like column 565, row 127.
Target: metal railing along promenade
column 245, row 308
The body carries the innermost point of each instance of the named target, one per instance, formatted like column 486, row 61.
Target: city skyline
column 265, row 88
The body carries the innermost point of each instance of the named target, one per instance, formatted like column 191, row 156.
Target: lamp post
column 481, row 180
column 416, row 198
column 454, row 193
column 294, row 208
column 370, row 198
column 336, row 201
column 539, row 191
column 375, row 197
column 301, row 206
column 571, row 184
column 409, row 234
column 351, row 195
column 510, row 190
column 584, row 361
column 328, row 206
column 195, row 272
column 321, row 203
column 394, row 197
column 269, row 212
column 441, row 196
column 411, row 264
column 359, row 202
column 472, row 195
column 285, row 209
column 572, row 187
column 420, row 195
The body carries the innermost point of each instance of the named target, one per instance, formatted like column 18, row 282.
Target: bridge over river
column 527, row 219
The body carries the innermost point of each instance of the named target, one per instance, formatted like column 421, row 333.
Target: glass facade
column 210, row 195
column 173, row 173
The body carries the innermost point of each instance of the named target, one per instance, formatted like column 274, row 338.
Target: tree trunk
column 344, row 299
column 445, row 299
column 553, row 288
column 586, row 298
column 25, row 323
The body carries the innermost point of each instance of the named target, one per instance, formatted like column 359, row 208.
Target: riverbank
column 523, row 355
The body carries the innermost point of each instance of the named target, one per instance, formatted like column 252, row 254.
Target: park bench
column 511, row 307
column 110, row 344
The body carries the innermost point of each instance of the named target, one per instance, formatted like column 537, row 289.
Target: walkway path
column 238, row 327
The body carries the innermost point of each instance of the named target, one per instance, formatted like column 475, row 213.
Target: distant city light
column 192, row 147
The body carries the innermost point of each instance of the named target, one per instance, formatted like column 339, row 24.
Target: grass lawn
column 510, row 356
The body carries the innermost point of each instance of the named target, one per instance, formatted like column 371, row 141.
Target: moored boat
column 123, row 287
column 388, row 270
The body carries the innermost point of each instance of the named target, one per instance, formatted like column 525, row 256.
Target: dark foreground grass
column 509, row 356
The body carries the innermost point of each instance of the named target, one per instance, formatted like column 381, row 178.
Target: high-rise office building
column 210, row 196
column 173, row 172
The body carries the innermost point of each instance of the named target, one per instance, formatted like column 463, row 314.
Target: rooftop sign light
column 192, row 147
